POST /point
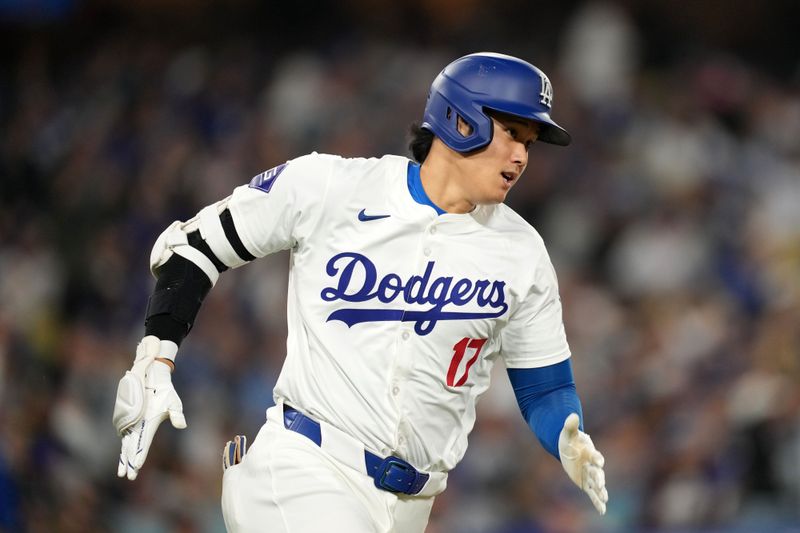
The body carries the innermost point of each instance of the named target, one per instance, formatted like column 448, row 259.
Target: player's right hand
column 145, row 398
column 582, row 462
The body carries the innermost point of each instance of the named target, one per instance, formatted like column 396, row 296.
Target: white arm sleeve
column 281, row 206
column 535, row 336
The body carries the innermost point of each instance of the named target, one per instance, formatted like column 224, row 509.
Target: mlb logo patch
column 266, row 179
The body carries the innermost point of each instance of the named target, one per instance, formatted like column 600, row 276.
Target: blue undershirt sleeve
column 546, row 396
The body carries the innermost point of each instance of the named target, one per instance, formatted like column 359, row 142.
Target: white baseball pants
column 287, row 484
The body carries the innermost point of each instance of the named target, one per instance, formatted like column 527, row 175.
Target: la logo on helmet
column 547, row 92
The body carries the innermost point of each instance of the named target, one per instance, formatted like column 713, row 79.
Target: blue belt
column 391, row 474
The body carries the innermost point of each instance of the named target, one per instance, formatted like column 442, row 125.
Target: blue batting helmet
column 473, row 84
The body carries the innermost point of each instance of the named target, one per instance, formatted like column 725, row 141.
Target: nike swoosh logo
column 363, row 217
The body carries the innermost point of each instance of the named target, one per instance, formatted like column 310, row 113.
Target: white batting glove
column 234, row 451
column 145, row 398
column 582, row 462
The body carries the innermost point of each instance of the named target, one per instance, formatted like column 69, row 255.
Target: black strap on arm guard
column 180, row 290
column 233, row 236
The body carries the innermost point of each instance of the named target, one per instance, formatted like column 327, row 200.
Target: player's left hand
column 145, row 398
column 582, row 462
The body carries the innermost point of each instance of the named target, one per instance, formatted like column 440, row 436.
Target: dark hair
column 420, row 141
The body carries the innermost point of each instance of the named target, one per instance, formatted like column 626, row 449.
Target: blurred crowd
column 673, row 221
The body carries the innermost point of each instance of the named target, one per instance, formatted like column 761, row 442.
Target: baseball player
column 408, row 281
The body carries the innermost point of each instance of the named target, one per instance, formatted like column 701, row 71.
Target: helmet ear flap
column 462, row 128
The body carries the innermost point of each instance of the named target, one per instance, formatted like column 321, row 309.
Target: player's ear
column 464, row 128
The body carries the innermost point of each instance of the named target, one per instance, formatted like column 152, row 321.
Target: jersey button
column 395, row 390
column 426, row 251
column 405, row 335
column 433, row 230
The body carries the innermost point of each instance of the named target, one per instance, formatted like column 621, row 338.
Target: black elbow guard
column 173, row 306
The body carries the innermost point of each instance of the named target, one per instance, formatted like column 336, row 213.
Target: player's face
column 494, row 170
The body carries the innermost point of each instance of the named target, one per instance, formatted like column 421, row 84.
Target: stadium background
column 673, row 221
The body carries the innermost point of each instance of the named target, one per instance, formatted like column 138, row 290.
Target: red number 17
column 459, row 350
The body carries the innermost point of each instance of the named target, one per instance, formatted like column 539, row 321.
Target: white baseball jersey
column 396, row 315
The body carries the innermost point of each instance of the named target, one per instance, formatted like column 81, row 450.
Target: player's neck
column 443, row 181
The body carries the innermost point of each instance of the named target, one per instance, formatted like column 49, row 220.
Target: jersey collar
column 416, row 189
column 405, row 206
